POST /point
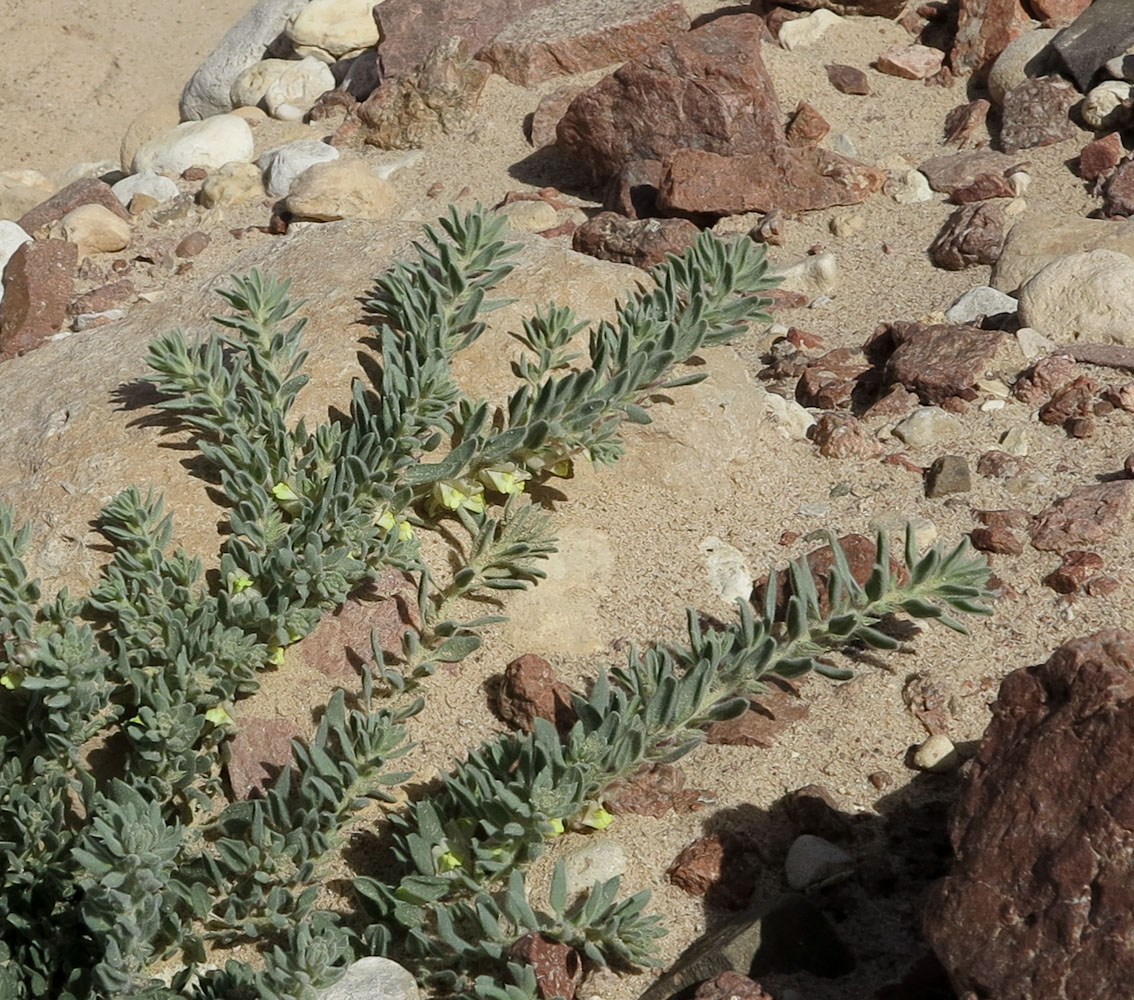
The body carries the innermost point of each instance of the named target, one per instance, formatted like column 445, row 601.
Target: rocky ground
column 951, row 344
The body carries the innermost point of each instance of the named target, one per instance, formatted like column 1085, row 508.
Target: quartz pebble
column 95, row 229
column 146, row 182
column 282, row 165
column 937, row 754
column 928, row 426
column 979, row 302
column 211, row 143
column 803, row 32
column 597, row 861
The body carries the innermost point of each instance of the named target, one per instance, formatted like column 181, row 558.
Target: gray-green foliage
column 105, row 876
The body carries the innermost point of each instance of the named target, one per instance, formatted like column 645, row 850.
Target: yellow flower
column 240, row 583
column 556, row 827
column 219, row 717
column 277, row 654
column 12, row 679
column 448, row 861
column 387, row 521
column 507, row 479
column 454, row 494
column 596, row 817
column 281, row 491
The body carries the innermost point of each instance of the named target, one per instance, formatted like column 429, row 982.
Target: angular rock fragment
column 1037, row 113
column 973, row 234
column 984, row 29
column 38, row 282
column 87, row 191
column 953, row 170
column 847, row 79
column 643, row 242
column 530, row 690
column 1089, row 516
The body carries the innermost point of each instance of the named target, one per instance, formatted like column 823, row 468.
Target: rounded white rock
column 373, row 978
column 803, row 32
column 282, row 165
column 937, row 754
column 156, row 186
column 95, row 229
column 971, row 306
column 928, row 426
column 210, row 143
column 333, row 29
column 596, row 861
column 1103, row 103
column 287, row 88
column 341, row 189
column 1083, row 296
column 233, row 184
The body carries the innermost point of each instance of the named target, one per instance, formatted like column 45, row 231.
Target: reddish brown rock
column 642, row 242
column 965, row 124
column 777, row 17
column 192, row 245
column 1075, row 399
column 1118, row 191
column 1074, row 570
column 843, row 435
column 1038, row 903
column 814, row 810
column 1046, row 377
column 706, row 89
column 260, row 749
column 1088, row 516
column 87, row 191
column 1010, row 519
column 1037, row 113
column 654, row 791
column 1100, row 156
column 558, row 969
column 701, row 183
column 1120, row 396
column 718, row 866
column 985, row 186
column 927, row 699
column 829, row 381
column 1000, row 465
column 731, row 986
column 575, row 36
column 1058, row 13
column 937, row 361
column 999, row 541
column 895, row 403
column 911, row 62
column 546, row 116
column 768, row 716
column 954, row 170
column 38, row 283
column 531, row 690
column 101, row 299
column 807, row 126
column 984, row 29
column 847, row 79
column 433, row 99
column 634, row 191
column 973, row 234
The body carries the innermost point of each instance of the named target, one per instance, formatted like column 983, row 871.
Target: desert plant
column 109, row 878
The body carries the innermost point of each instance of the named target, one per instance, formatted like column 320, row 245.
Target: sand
column 630, row 561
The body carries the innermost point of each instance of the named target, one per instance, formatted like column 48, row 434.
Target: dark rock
column 965, row 124
column 1073, row 400
column 87, row 191
column 336, row 104
column 1075, row 568
column 1038, row 903
column 948, row 474
column 1104, row 355
column 1118, row 190
column 1101, row 586
column 654, row 791
column 192, row 174
column 642, row 242
column 546, row 116
column 895, row 403
column 770, row 713
column 38, row 282
column 558, row 969
column 434, row 99
column 1104, row 30
column 954, row 170
column 721, row 867
column 706, row 89
column 410, row 29
column 576, row 36
column 731, row 986
column 984, row 29
column 1100, row 156
column 924, row 980
column 192, row 244
column 260, row 749
column 1046, row 377
column 1037, row 113
column 355, row 78
column 1000, row 465
column 1088, row 516
column 531, row 690
column 634, row 191
column 847, row 79
column 807, row 126
column 701, row 183
column 101, row 299
column 813, row 809
column 937, row 361
column 985, row 186
column 843, row 435
column 777, row 17
column 973, row 234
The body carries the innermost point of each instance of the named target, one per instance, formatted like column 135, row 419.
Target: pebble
column 530, row 216
column 1105, row 103
column 947, row 475
column 148, row 183
column 911, row 62
column 296, row 88
column 937, row 754
column 844, row 224
column 95, row 229
column 788, row 417
column 192, row 245
column 596, row 861
column 147, row 125
column 1121, row 67
column 1015, row 442
column 729, row 573
column 329, row 30
column 909, row 187
column 341, row 189
column 1083, row 296
column 282, row 165
column 233, row 184
column 814, row 861
column 373, row 978
column 249, row 87
column 1034, row 344
column 978, row 302
column 925, row 531
column 211, row 143
column 804, row 32
column 813, row 275
column 840, row 142
column 928, row 426
column 89, row 321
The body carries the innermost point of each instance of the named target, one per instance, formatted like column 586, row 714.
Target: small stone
column 1107, row 105
column 1118, row 191
column 1075, row 568
column 531, row 689
column 937, row 755
column 842, row 435
column 95, row 229
column 805, row 32
column 973, row 234
column 654, row 791
column 88, row 191
column 294, row 91
column 983, row 187
column 1100, row 156
column 546, row 116
column 807, row 126
column 1082, row 296
column 947, row 475
column 341, row 189
column 999, row 465
column 954, row 170
column 260, row 749
column 928, row 426
column 846, row 224
column 598, row 861
column 816, row 274
column 156, row 187
column 911, row 62
column 529, row 216
column 103, row 299
column 1037, row 113
column 965, row 125
column 908, row 187
column 770, row 713
column 979, row 303
column 847, row 79
column 282, row 165
column 192, row 245
column 147, row 125
column 788, row 417
column 1070, row 402
column 211, row 143
column 371, row 978
column 998, row 540
column 813, row 861
column 641, row 242
column 328, row 30
column 881, row 780
column 233, row 184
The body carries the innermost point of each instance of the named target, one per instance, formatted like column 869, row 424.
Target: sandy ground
column 640, row 541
